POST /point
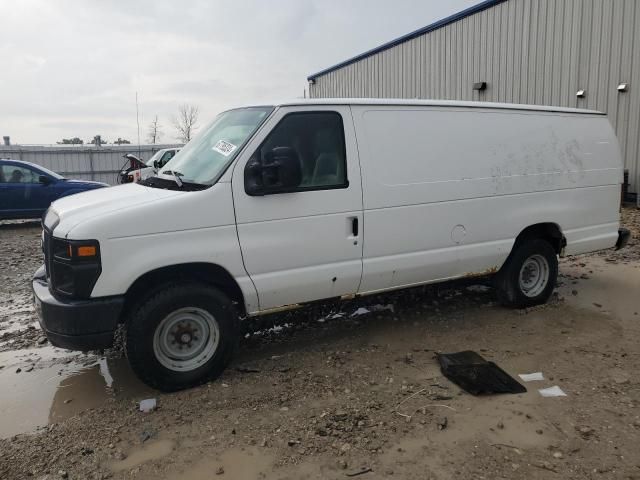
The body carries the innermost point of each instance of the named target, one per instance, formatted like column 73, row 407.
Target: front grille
column 46, row 250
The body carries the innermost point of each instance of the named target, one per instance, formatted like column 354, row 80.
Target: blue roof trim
column 409, row 36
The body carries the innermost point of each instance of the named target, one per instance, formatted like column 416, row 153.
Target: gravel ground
column 324, row 393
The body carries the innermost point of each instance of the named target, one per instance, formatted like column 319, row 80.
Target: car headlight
column 50, row 220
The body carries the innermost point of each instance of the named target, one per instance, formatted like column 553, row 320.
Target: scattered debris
column 554, row 391
column 148, row 405
column 360, row 311
column 245, row 369
column 381, row 308
column 478, row 288
column 531, row 377
column 220, row 471
column 546, row 466
column 442, row 423
column 362, row 471
column 586, row 432
column 146, row 435
column 515, row 449
column 119, row 455
column 476, row 375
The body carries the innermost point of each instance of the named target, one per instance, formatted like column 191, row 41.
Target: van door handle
column 354, row 226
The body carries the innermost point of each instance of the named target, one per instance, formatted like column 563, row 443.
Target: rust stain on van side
column 349, row 296
column 282, row 308
column 488, row 271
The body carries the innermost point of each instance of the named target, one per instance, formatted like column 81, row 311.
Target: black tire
column 146, row 317
column 507, row 282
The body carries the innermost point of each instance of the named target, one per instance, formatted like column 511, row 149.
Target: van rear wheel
column 529, row 275
column 181, row 336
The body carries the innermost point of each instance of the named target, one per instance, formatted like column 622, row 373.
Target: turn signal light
column 87, row 251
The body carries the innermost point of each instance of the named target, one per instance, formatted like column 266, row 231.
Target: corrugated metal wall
column 528, row 51
column 82, row 162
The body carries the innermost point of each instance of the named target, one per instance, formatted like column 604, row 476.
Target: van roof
column 433, row 103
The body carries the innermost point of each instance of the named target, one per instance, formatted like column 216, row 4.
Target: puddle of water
column 150, row 451
column 60, row 385
column 611, row 286
column 237, row 463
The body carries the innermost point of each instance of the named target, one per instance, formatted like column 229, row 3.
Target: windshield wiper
column 176, row 176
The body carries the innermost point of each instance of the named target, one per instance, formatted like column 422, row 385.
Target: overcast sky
column 72, row 68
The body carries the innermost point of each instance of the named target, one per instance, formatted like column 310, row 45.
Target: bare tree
column 155, row 131
column 186, row 122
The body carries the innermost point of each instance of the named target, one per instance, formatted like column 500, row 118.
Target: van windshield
column 205, row 158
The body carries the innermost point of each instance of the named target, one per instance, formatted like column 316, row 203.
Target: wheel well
column 209, row 273
column 547, row 231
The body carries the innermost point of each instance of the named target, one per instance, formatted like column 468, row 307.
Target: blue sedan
column 27, row 190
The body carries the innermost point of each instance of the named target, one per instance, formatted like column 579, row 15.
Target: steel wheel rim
column 186, row 339
column 534, row 275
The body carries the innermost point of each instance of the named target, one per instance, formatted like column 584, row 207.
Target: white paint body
column 441, row 191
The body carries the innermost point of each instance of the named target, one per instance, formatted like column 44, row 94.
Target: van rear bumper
column 623, row 238
column 75, row 324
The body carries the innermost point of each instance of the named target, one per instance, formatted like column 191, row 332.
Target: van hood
column 74, row 209
column 80, row 183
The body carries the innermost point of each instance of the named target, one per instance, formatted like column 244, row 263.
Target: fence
column 82, row 162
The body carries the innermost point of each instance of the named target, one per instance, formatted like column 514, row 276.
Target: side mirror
column 43, row 179
column 156, row 164
column 280, row 172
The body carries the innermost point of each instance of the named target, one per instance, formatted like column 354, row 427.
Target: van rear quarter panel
column 447, row 190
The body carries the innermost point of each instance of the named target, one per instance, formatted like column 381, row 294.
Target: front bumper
column 623, row 238
column 75, row 324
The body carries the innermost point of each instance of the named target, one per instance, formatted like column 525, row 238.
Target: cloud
column 72, row 68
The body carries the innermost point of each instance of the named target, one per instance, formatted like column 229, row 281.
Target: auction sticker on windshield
column 225, row 148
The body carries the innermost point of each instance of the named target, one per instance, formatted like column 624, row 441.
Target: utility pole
column 138, row 122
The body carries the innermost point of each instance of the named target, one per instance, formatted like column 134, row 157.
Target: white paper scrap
column 554, row 391
column 360, row 311
column 148, row 405
column 381, row 308
column 531, row 377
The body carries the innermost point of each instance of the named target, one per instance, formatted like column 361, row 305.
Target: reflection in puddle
column 54, row 385
column 149, row 451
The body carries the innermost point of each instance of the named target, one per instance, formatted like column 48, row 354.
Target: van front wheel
column 181, row 336
column 529, row 275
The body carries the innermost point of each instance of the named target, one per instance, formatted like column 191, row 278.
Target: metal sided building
column 569, row 53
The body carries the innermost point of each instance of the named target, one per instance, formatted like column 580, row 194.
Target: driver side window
column 15, row 174
column 318, row 140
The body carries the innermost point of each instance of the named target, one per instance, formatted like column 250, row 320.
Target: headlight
column 51, row 219
column 75, row 266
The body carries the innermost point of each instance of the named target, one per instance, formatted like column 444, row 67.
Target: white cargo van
column 274, row 206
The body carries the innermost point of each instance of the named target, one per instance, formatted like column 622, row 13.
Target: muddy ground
column 316, row 394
